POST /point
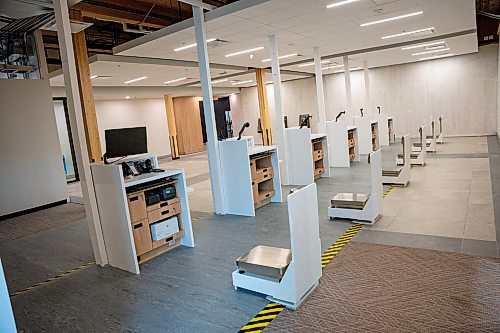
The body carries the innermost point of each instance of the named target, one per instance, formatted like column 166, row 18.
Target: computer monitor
column 122, row 142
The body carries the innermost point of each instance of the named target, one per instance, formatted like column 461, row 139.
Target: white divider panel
column 7, row 322
column 299, row 154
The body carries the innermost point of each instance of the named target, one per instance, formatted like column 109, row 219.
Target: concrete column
column 78, row 129
column 279, row 126
column 208, row 110
column 498, row 97
column 368, row 92
column 320, row 94
column 348, row 93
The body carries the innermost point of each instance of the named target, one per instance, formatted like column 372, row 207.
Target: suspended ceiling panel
column 300, row 25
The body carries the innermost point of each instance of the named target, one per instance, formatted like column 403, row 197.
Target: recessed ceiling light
column 430, row 52
column 93, row 76
column 312, row 63
column 219, row 81
column 269, row 82
column 392, row 19
column 135, row 80
column 193, row 45
column 422, row 45
column 437, row 57
column 331, row 67
column 352, row 69
column 409, row 33
column 244, row 51
column 282, row 57
column 436, row 47
column 176, row 80
column 242, row 82
column 127, row 97
column 336, row 4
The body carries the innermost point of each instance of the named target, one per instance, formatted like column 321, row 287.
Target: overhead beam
column 199, row 4
column 289, row 72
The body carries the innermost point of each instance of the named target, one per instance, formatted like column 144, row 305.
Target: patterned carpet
column 25, row 225
column 378, row 288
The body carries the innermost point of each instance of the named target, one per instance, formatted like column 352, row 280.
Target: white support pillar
column 348, row 93
column 77, row 128
column 368, row 92
column 320, row 94
column 279, row 126
column 208, row 109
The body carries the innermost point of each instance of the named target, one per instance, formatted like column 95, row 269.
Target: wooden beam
column 86, row 94
column 172, row 127
column 265, row 122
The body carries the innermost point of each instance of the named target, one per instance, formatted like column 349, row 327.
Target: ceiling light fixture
column 242, row 82
column 93, row 76
column 219, row 81
column 352, row 69
column 176, row 80
column 331, row 67
column 312, row 63
column 422, row 45
column 436, row 47
column 336, row 4
column 193, row 45
column 437, row 57
column 127, row 97
column 283, row 57
column 391, row 19
column 408, row 33
column 135, row 80
column 244, row 51
column 430, row 52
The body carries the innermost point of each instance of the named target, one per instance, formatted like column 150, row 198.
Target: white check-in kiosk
column 342, row 144
column 367, row 134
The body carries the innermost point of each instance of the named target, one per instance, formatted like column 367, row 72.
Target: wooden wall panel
column 188, row 123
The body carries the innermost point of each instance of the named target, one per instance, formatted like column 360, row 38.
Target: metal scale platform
column 350, row 200
column 265, row 260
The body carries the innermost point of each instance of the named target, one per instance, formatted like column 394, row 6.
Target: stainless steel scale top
column 265, row 260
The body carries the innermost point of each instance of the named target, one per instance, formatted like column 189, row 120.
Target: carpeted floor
column 378, row 288
column 25, row 225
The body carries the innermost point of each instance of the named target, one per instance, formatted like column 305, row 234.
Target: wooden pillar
column 86, row 94
column 172, row 127
column 265, row 122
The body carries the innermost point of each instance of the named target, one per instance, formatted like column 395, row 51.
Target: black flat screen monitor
column 126, row 141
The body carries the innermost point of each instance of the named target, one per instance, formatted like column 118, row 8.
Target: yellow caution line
column 51, row 279
column 272, row 310
column 386, row 193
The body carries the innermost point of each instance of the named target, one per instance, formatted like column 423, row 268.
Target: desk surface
column 147, row 177
column 260, row 149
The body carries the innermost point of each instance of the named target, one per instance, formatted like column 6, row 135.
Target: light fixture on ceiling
column 283, row 57
column 392, row 19
column 434, row 48
column 193, row 45
column 176, row 80
column 244, row 51
column 242, row 82
column 269, row 82
column 127, row 97
column 437, row 57
column 93, row 76
column 331, row 67
column 219, row 81
column 430, row 52
column 135, row 80
column 414, row 32
column 312, row 63
column 352, row 69
column 422, row 45
column 336, row 4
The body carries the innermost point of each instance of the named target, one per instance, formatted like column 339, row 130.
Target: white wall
column 463, row 89
column 31, row 167
column 134, row 113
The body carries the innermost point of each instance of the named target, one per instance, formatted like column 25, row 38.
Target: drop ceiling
column 300, row 25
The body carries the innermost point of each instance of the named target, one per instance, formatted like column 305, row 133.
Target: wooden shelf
column 142, row 216
column 374, row 136
column 262, row 173
column 318, row 158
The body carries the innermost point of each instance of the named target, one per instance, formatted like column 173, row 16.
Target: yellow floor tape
column 272, row 310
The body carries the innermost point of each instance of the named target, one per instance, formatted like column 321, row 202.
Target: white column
column 78, row 130
column 348, row 94
column 498, row 97
column 279, row 126
column 320, row 94
column 208, row 110
column 368, row 93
